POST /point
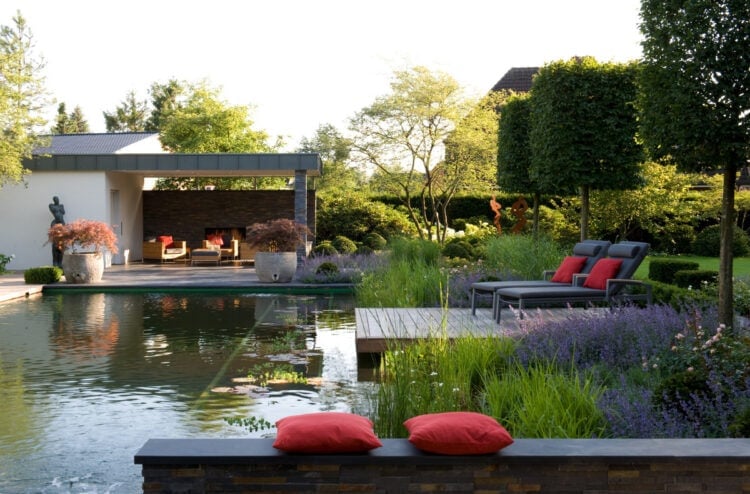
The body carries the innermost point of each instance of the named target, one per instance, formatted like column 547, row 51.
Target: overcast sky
column 302, row 63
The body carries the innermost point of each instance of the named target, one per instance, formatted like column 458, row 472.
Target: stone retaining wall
column 528, row 466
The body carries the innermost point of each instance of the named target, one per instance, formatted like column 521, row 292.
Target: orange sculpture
column 519, row 211
column 496, row 207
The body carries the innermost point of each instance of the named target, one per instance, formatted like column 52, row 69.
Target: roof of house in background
column 517, row 79
column 109, row 143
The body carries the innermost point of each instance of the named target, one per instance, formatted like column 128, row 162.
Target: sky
column 299, row 64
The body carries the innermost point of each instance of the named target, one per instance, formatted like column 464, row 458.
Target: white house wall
column 130, row 227
column 25, row 216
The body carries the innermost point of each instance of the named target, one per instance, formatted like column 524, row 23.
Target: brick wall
column 186, row 214
column 528, row 466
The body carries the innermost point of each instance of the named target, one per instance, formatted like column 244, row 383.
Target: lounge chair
column 592, row 250
column 606, row 282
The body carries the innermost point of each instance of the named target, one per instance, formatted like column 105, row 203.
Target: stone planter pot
column 275, row 267
column 83, row 267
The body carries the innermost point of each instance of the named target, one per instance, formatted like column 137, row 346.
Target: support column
column 300, row 210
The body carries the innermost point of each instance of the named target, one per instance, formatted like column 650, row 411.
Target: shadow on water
column 86, row 379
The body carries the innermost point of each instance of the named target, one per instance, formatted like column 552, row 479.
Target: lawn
column 741, row 264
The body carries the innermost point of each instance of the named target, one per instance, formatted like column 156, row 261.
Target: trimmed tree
column 695, row 99
column 582, row 129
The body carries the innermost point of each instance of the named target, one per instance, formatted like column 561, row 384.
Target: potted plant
column 276, row 243
column 83, row 243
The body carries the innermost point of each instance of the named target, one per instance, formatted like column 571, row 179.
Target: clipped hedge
column 43, row 275
column 664, row 269
column 695, row 278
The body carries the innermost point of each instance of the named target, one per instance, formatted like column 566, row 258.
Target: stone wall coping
column 241, row 451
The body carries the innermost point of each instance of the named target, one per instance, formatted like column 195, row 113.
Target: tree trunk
column 726, row 257
column 584, row 212
column 535, row 215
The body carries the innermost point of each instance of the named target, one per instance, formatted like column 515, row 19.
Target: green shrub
column 374, row 241
column 356, row 215
column 415, row 251
column 327, row 269
column 325, row 248
column 707, row 242
column 695, row 278
column 43, row 275
column 664, row 269
column 459, row 248
column 344, row 245
column 4, row 260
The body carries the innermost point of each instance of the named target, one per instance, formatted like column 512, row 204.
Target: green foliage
column 355, row 216
column 664, row 269
column 412, row 278
column 542, row 402
column 70, row 123
column 514, row 153
column 375, row 241
column 708, row 242
column 344, row 245
column 459, row 248
column 325, row 248
column 22, row 99
column 695, row 278
column 130, row 116
column 4, row 260
column 339, row 177
column 252, row 424
column 327, row 269
column 43, row 275
column 522, row 256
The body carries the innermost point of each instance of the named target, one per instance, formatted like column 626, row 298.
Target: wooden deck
column 377, row 327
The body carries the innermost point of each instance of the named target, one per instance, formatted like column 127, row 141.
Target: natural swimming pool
column 87, row 378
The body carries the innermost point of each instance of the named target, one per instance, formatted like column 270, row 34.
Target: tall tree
column 695, row 99
column 339, row 176
column 165, row 98
column 70, row 123
column 514, row 151
column 130, row 116
column 22, row 99
column 402, row 135
column 206, row 124
column 583, row 129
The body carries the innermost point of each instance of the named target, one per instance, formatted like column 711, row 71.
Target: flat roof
column 183, row 165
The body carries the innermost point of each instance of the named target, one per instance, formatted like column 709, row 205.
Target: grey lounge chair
column 631, row 254
column 593, row 250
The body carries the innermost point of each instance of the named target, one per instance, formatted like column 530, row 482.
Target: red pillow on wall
column 457, row 433
column 571, row 265
column 603, row 270
column 166, row 239
column 325, row 432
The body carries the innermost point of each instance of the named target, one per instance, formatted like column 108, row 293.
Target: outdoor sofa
column 164, row 248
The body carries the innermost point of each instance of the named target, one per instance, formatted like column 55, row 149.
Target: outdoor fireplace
column 226, row 233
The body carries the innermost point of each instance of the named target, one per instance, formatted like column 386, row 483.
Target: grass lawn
column 741, row 264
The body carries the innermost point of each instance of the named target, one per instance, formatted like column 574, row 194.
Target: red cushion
column 457, row 433
column 571, row 265
column 325, row 432
column 603, row 270
column 216, row 239
column 166, row 239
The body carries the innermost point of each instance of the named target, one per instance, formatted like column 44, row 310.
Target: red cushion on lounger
column 571, row 265
column 603, row 270
column 166, row 239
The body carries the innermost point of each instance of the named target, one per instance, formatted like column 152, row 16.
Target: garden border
column 528, row 465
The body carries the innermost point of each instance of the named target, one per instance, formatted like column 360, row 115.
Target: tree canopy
column 23, row 98
column 583, row 129
column 70, row 123
column 695, row 99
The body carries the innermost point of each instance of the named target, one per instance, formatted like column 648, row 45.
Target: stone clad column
column 300, row 210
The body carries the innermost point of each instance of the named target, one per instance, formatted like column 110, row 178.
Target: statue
column 519, row 211
column 58, row 213
column 496, row 206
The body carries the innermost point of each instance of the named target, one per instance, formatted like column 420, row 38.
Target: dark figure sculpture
column 519, row 211
column 58, row 212
column 496, row 207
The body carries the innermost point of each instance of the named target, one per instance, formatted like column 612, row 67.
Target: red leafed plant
column 82, row 236
column 281, row 235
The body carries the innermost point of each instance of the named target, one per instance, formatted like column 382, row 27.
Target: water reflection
column 85, row 379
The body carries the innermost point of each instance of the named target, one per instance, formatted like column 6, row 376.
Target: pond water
column 86, row 379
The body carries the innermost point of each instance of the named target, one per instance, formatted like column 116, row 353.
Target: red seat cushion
column 603, row 270
column 571, row 265
column 325, row 432
column 457, row 433
column 167, row 240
